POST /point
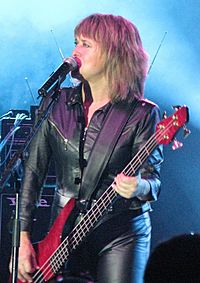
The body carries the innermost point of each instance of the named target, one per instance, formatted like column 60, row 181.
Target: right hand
column 27, row 263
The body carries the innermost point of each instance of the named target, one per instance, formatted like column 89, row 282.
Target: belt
column 60, row 200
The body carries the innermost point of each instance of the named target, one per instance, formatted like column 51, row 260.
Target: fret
column 132, row 170
column 97, row 210
column 100, row 206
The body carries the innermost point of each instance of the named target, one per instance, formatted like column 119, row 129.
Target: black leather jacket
column 60, row 137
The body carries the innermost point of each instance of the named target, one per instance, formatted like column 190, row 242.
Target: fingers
column 126, row 186
column 27, row 264
column 25, row 269
column 28, row 267
column 24, row 272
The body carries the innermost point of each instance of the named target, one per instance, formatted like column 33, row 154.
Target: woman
column 112, row 73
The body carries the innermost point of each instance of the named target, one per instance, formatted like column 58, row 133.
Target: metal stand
column 12, row 169
column 16, row 233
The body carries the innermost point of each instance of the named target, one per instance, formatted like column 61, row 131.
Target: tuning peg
column 176, row 144
column 164, row 115
column 186, row 131
column 176, row 107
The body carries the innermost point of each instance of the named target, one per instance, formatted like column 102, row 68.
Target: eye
column 75, row 42
column 85, row 44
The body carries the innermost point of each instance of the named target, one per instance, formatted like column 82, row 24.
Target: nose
column 76, row 52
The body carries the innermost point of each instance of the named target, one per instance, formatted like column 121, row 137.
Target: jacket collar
column 75, row 96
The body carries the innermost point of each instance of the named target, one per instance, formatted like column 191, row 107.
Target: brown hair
column 126, row 61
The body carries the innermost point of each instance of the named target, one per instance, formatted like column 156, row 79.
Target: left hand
column 127, row 186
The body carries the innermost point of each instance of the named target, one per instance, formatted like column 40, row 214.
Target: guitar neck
column 92, row 216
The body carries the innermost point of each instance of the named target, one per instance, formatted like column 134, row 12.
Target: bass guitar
column 52, row 252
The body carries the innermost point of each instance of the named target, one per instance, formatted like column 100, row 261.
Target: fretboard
column 99, row 208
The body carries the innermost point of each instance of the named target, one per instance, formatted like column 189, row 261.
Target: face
column 92, row 61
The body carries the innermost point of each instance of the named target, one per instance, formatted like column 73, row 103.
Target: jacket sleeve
column 150, row 170
column 35, row 170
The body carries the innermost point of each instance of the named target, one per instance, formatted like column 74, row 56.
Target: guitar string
column 151, row 144
column 131, row 166
column 127, row 167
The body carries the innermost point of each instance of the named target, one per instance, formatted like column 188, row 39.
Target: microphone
column 69, row 64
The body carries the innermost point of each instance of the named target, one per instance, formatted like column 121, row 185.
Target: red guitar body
column 51, row 242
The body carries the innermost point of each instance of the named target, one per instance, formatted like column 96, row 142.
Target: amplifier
column 17, row 142
column 21, row 134
column 40, row 227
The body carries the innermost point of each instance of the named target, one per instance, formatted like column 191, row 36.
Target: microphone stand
column 12, row 168
column 16, row 231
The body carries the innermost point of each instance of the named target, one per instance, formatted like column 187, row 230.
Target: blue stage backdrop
column 35, row 33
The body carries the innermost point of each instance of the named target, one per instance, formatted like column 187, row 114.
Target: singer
column 93, row 132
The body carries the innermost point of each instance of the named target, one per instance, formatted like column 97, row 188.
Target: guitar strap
column 104, row 145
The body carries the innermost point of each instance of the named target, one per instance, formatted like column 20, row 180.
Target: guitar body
column 46, row 248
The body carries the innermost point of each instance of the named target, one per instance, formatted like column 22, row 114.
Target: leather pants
column 115, row 252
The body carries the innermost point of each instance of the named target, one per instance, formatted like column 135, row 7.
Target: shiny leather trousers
column 116, row 252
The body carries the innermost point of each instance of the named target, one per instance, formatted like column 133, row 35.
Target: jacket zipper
column 66, row 141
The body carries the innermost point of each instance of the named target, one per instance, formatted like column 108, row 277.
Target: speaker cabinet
column 17, row 141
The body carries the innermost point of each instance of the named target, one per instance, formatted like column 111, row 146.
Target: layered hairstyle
column 126, row 63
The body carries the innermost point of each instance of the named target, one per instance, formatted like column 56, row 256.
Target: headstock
column 169, row 126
